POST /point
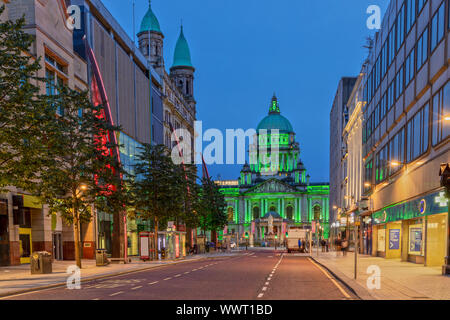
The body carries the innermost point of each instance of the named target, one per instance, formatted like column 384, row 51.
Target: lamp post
column 444, row 173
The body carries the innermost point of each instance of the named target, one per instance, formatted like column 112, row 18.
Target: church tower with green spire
column 151, row 39
column 182, row 70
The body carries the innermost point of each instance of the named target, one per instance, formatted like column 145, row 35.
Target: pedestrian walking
column 323, row 244
column 344, row 246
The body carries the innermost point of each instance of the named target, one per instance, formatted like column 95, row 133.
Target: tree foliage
column 25, row 113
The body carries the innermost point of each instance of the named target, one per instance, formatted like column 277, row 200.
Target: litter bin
column 41, row 262
column 100, row 258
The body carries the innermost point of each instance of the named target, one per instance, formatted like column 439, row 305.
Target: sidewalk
column 18, row 279
column 399, row 280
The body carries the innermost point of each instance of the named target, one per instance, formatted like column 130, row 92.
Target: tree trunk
column 76, row 224
column 156, row 237
column 118, row 236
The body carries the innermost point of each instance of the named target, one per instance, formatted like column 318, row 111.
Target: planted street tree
column 158, row 187
column 212, row 215
column 25, row 113
column 79, row 166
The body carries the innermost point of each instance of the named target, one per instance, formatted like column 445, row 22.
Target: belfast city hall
column 266, row 201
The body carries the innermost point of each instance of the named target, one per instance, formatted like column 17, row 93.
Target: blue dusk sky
column 245, row 50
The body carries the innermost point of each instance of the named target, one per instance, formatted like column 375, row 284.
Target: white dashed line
column 155, row 282
column 264, row 288
column 115, row 294
column 167, row 278
column 96, row 299
column 178, row 275
column 267, row 283
column 187, row 272
column 135, row 288
column 260, row 295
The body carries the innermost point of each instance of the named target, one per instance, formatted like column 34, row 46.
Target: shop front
column 413, row 230
column 4, row 234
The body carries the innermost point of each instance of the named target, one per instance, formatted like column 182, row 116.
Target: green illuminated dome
column 275, row 120
column 182, row 55
column 150, row 22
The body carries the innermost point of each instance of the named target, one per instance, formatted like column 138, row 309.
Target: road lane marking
column 267, row 283
column 155, row 282
column 187, row 272
column 135, row 288
column 96, row 299
column 264, row 288
column 329, row 277
column 115, row 294
column 167, row 278
column 260, row 295
column 178, row 275
column 194, row 269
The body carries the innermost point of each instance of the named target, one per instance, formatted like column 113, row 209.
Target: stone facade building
column 178, row 85
column 277, row 190
column 338, row 120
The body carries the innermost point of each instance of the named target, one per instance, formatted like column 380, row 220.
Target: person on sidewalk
column 323, row 244
column 338, row 244
column 344, row 247
column 300, row 245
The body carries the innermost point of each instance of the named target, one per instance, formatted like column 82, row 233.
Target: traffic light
column 276, row 236
column 246, row 235
column 287, row 234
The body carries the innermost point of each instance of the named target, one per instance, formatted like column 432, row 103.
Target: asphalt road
column 251, row 276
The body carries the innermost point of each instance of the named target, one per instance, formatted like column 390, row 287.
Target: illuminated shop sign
column 434, row 203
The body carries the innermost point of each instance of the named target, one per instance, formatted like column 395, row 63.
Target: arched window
column 273, row 209
column 230, row 214
column 256, row 214
column 290, row 213
column 317, row 212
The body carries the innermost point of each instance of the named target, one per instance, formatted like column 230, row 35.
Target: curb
column 93, row 278
column 354, row 287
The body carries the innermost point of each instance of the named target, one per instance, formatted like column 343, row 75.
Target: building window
column 400, row 25
column 376, row 116
column 53, row 82
column 230, row 214
column 410, row 14
column 383, row 106
column 391, row 95
column 383, row 60
column 290, row 213
column 422, row 49
column 399, row 83
column 441, row 114
column 420, row 5
column 381, row 164
column 391, row 42
column 409, row 67
column 417, row 137
column 396, row 152
column 437, row 27
column 368, row 172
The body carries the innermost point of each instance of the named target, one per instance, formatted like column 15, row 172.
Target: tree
column 158, row 186
column 79, row 166
column 25, row 114
column 212, row 215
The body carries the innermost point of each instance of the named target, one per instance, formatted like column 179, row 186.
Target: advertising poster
column 394, row 239
column 415, row 240
column 177, row 246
